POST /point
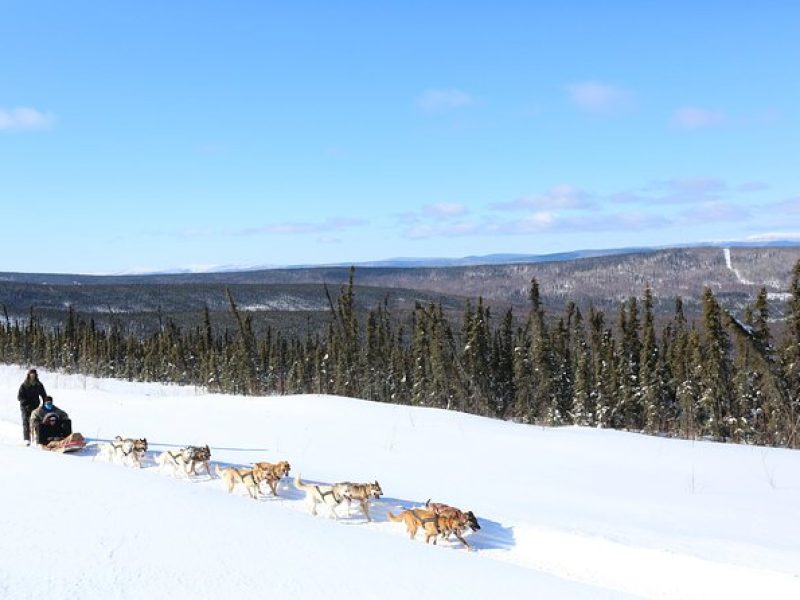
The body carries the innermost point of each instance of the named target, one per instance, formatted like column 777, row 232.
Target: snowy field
column 565, row 513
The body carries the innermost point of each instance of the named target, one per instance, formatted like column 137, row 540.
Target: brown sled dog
column 361, row 493
column 249, row 478
column 417, row 518
column 198, row 455
column 445, row 509
column 273, row 473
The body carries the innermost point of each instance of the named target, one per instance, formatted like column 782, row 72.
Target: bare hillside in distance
column 297, row 297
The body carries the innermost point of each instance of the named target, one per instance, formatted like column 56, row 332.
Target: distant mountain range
column 486, row 259
column 296, row 296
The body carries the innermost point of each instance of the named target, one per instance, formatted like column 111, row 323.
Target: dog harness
column 422, row 521
column 331, row 492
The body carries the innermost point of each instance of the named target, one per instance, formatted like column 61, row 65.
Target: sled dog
column 126, row 450
column 418, row 518
column 198, row 455
column 273, row 473
column 452, row 524
column 249, row 478
column 359, row 492
column 320, row 494
column 445, row 509
column 177, row 460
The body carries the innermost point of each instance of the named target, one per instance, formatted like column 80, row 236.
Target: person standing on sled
column 47, row 413
column 28, row 396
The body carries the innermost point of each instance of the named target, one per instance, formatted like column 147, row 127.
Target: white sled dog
column 327, row 495
column 176, row 460
column 125, row 450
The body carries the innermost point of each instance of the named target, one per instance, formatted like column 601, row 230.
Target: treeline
column 725, row 378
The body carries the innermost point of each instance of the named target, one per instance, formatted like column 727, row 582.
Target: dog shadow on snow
column 491, row 536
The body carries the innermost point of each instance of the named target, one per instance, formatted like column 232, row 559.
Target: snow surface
column 565, row 513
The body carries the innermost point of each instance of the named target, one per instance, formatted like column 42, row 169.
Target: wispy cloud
column 791, row 205
column 599, row 98
column 329, row 240
column 774, row 236
column 568, row 210
column 540, row 222
column 675, row 191
column 548, row 222
column 565, row 197
column 24, row 118
column 445, row 209
column 693, row 117
column 753, row 186
column 430, row 230
column 441, row 100
column 714, row 212
column 694, row 184
column 298, row 228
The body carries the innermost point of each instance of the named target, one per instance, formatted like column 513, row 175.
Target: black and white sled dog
column 125, row 450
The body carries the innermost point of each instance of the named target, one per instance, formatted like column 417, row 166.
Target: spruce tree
column 716, row 386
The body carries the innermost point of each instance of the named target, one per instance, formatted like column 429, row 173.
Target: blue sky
column 159, row 135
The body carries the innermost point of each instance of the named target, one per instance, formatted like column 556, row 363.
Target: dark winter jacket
column 29, row 394
column 41, row 413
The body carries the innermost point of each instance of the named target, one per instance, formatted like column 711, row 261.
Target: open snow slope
column 566, row 513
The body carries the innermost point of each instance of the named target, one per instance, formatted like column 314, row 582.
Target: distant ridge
column 390, row 263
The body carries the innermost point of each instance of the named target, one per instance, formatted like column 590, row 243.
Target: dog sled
column 57, row 436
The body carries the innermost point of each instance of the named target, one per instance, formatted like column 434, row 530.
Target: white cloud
column 24, row 118
column 692, row 117
column 563, row 197
column 599, row 98
column 439, row 100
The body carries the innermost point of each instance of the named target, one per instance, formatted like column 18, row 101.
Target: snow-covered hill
column 566, row 513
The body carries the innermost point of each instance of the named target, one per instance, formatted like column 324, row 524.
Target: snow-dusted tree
column 716, row 387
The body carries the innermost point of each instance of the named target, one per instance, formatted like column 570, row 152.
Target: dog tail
column 393, row 517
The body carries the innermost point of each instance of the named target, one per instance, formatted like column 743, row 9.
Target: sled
column 71, row 443
column 58, row 437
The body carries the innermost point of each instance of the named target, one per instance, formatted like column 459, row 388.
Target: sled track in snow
column 594, row 560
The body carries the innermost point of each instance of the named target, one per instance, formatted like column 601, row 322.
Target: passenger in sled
column 52, row 428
